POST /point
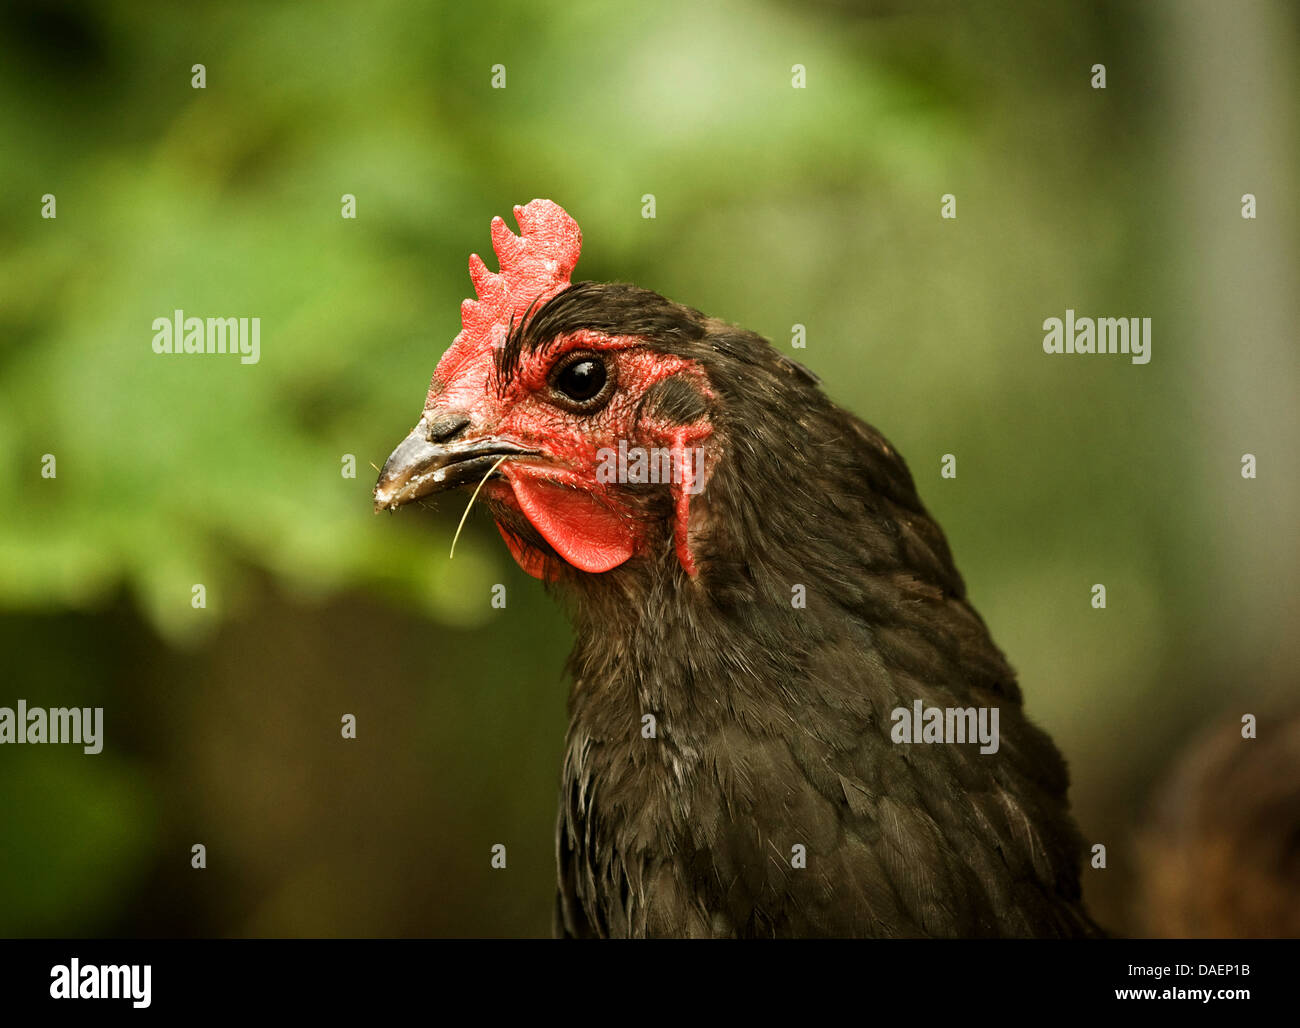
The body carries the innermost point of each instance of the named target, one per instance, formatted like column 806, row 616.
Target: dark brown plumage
column 772, row 722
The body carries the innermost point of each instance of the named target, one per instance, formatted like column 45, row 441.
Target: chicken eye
column 582, row 382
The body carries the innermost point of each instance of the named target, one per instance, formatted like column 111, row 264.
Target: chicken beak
column 420, row 467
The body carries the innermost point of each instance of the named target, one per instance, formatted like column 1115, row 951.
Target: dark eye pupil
column 581, row 380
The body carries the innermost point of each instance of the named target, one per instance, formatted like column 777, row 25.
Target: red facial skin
column 592, row 525
column 587, row 522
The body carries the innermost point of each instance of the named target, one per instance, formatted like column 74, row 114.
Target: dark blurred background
column 775, row 206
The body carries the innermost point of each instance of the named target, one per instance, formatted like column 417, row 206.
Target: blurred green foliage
column 775, row 206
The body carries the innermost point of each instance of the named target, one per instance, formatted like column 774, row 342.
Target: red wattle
column 531, row 560
column 583, row 531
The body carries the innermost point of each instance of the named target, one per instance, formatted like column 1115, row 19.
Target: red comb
column 535, row 265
